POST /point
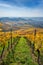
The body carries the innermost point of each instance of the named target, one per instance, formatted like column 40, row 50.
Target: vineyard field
column 21, row 44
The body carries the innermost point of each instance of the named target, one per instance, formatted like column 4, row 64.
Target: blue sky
column 21, row 8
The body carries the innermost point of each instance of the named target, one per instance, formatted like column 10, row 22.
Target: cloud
column 5, row 5
column 21, row 10
column 23, row 3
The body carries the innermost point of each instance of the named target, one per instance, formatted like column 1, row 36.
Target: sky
column 21, row 8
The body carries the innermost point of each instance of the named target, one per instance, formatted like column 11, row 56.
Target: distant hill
column 20, row 21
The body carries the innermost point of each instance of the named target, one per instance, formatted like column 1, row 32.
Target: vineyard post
column 38, row 59
column 34, row 35
column 11, row 36
column 34, row 39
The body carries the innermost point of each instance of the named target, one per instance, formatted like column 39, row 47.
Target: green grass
column 21, row 54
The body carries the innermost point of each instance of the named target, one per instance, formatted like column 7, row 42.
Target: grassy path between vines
column 23, row 54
